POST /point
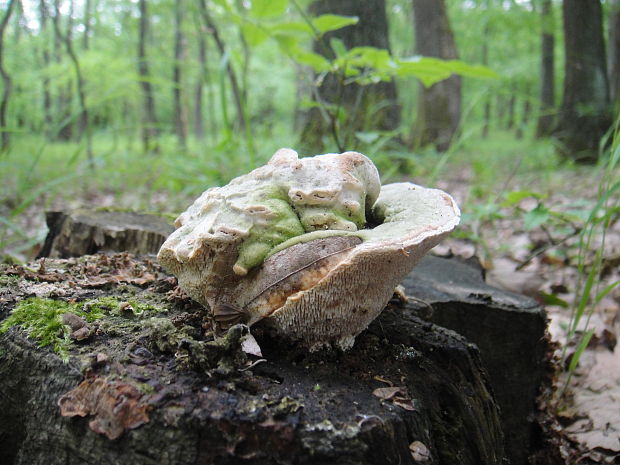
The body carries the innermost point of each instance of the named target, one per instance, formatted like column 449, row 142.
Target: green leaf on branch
column 254, row 35
column 268, row 8
column 536, row 217
column 291, row 27
column 327, row 23
column 514, row 197
column 476, row 71
column 338, row 47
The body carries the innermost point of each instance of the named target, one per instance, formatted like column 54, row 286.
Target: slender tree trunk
column 84, row 116
column 149, row 118
column 63, row 99
column 547, row 74
column 6, row 80
column 585, row 114
column 439, row 107
column 199, row 125
column 47, row 98
column 87, row 15
column 613, row 55
column 486, row 32
column 511, row 108
column 180, row 119
column 525, row 115
column 232, row 76
column 369, row 107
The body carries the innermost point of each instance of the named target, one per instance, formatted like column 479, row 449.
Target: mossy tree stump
column 146, row 383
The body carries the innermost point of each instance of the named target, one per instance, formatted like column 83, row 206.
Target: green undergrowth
column 41, row 318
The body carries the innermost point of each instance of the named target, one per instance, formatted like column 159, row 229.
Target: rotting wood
column 209, row 402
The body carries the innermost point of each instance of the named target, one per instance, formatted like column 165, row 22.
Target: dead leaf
column 419, row 452
column 115, row 406
column 387, row 393
column 398, row 395
column 250, row 346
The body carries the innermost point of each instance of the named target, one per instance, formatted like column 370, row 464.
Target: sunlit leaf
column 291, row 27
column 477, row 71
column 254, row 35
column 338, row 47
column 328, row 22
column 268, row 8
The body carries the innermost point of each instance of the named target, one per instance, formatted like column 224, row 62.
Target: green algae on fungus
column 41, row 318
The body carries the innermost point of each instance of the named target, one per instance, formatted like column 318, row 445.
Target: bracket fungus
column 312, row 246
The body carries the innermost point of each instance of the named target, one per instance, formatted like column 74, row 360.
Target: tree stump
column 509, row 330
column 88, row 231
column 145, row 383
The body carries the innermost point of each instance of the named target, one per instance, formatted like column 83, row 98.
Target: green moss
column 116, row 307
column 42, row 318
column 42, row 321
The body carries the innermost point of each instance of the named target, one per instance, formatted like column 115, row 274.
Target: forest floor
column 524, row 227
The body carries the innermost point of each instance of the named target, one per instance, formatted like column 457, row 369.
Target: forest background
column 511, row 105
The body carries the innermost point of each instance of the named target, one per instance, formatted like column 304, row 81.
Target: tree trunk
column 87, row 11
column 486, row 33
column 6, row 80
column 614, row 52
column 525, row 115
column 585, row 114
column 199, row 125
column 370, row 107
column 439, row 107
column 511, row 109
column 149, row 118
column 545, row 122
column 47, row 98
column 180, row 118
column 84, row 115
column 232, row 76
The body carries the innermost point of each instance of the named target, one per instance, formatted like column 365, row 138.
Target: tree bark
column 439, row 107
column 150, row 130
column 6, row 80
column 585, row 114
column 370, row 107
column 180, row 118
column 408, row 392
column 613, row 55
column 546, row 117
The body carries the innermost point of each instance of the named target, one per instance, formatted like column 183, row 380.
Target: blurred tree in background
column 224, row 77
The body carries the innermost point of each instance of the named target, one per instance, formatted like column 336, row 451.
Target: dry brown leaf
column 115, row 406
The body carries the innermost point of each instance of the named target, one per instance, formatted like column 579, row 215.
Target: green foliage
column 602, row 214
